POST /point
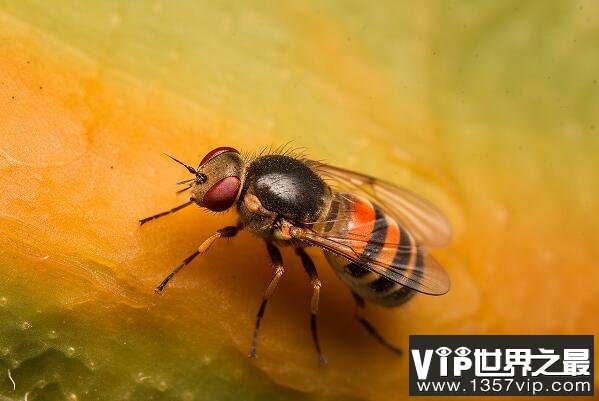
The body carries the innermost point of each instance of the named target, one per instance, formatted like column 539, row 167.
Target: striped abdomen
column 360, row 224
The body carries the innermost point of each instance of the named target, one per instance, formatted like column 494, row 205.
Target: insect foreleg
column 225, row 232
column 173, row 210
column 277, row 263
column 316, row 284
column 360, row 305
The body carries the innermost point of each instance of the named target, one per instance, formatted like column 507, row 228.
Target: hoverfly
column 375, row 235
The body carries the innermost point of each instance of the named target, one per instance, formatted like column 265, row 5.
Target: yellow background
column 489, row 110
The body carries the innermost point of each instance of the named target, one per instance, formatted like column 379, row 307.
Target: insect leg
column 316, row 284
column 277, row 263
column 173, row 210
column 225, row 232
column 371, row 329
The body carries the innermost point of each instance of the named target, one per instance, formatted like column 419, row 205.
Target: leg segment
column 277, row 263
column 173, row 210
column 373, row 331
column 316, row 284
column 225, row 232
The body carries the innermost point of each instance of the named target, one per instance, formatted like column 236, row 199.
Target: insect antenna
column 189, row 168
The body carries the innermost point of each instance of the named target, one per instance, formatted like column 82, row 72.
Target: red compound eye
column 215, row 152
column 222, row 195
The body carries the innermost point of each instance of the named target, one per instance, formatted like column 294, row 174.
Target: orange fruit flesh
column 80, row 163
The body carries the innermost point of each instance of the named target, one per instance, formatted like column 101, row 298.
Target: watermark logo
column 501, row 365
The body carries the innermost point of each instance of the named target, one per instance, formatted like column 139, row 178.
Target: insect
column 374, row 234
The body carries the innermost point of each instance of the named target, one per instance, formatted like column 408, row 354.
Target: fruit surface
column 489, row 111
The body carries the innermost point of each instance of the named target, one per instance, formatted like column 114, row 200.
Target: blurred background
column 488, row 109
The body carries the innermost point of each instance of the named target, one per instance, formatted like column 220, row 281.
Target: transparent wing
column 425, row 275
column 421, row 218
